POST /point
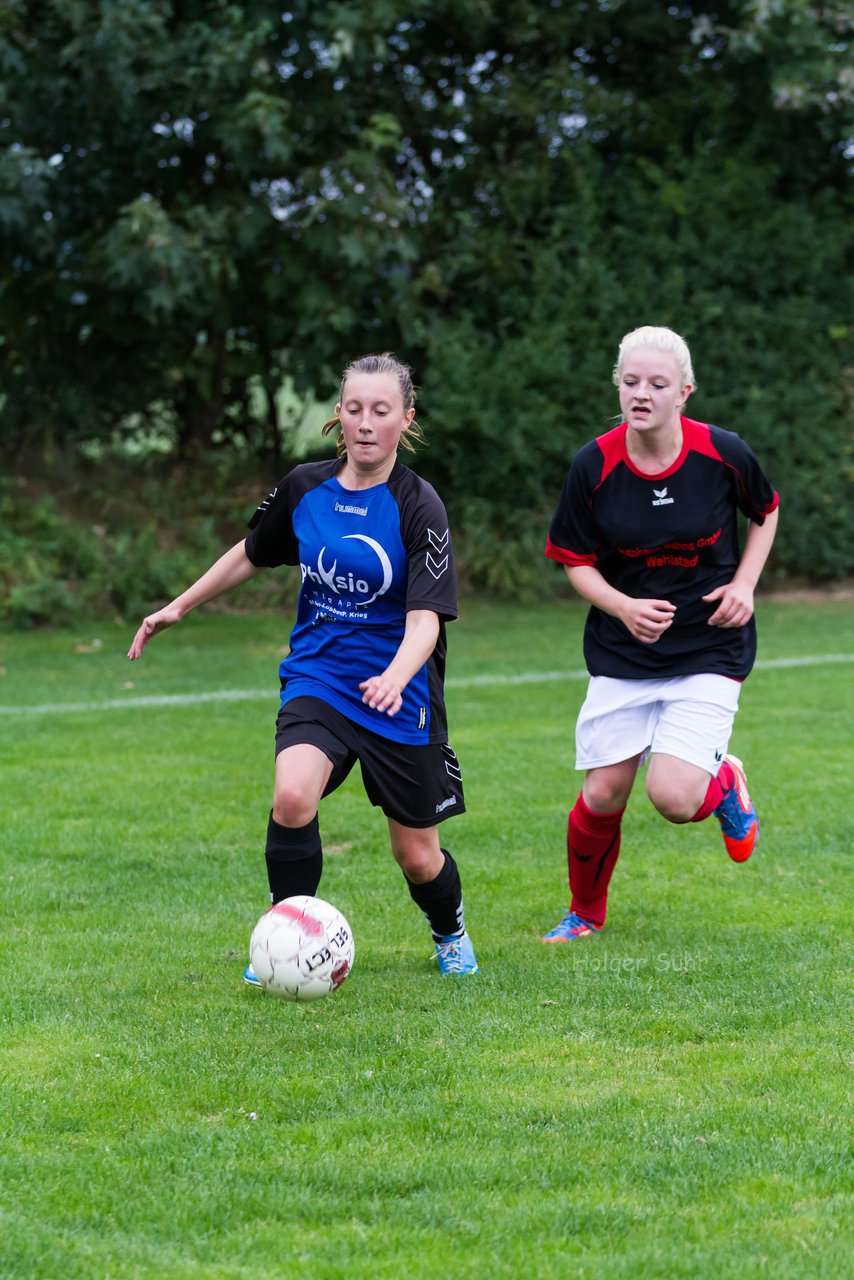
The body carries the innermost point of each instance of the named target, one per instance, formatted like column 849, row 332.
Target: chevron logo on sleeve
column 439, row 543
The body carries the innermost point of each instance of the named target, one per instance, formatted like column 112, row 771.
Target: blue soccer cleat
column 570, row 929
column 737, row 815
column 456, row 956
column 250, row 977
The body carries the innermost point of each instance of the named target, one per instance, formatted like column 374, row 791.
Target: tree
column 180, row 223
column 198, row 200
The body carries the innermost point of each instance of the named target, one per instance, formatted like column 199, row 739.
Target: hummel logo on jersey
column 350, row 510
column 440, row 543
column 661, row 499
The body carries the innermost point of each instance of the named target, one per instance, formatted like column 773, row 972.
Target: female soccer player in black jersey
column 364, row 676
column 646, row 529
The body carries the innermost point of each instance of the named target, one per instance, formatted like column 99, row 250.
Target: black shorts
column 415, row 786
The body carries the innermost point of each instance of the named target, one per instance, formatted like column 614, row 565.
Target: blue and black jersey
column 367, row 557
column 672, row 536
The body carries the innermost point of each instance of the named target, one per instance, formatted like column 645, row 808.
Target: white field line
column 269, row 694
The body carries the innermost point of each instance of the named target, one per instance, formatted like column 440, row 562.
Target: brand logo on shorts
column 661, row 499
column 719, row 755
column 446, row 804
column 452, row 765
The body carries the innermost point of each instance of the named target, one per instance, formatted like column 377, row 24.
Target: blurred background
column 207, row 210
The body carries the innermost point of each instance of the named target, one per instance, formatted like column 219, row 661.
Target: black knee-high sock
column 441, row 900
column 294, row 859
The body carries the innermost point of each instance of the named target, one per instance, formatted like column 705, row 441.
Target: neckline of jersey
column 333, row 479
column 668, row 471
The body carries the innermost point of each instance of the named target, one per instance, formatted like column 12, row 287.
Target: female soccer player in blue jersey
column 364, row 676
column 646, row 529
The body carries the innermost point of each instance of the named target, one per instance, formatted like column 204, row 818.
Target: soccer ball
column 301, row 949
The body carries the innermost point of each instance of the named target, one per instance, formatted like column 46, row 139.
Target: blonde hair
column 383, row 363
column 660, row 339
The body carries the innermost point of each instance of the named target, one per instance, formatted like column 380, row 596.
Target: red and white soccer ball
column 301, row 949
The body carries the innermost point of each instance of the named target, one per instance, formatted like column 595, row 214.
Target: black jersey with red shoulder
column 367, row 557
column 671, row 536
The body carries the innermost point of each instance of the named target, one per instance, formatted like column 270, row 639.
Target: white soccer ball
column 301, row 949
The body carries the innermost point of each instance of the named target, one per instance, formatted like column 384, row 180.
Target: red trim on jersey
column 613, row 446
column 695, row 436
column 701, row 442
column 554, row 552
column 698, row 437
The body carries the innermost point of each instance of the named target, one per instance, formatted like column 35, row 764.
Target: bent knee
column 603, row 797
column 419, row 867
column 675, row 806
column 292, row 807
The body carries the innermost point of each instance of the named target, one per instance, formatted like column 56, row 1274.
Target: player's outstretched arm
column 385, row 692
column 229, row 571
column 647, row 620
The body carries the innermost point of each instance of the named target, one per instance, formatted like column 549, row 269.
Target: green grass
column 668, row 1100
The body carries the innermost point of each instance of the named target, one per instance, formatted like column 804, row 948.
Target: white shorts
column 689, row 717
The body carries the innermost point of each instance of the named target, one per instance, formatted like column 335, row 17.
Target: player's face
column 372, row 420
column 652, row 393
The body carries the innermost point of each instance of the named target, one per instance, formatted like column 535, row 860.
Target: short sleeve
column 755, row 496
column 574, row 537
column 432, row 577
column 759, row 496
column 271, row 541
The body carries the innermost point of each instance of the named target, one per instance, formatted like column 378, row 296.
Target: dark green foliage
column 197, row 202
column 116, row 548
column 764, row 313
column 45, row 558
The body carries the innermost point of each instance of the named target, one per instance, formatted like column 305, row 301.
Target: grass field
column 669, row 1100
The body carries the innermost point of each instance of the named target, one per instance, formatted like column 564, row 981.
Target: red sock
column 718, row 787
column 593, row 846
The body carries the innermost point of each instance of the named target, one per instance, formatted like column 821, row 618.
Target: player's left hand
column 735, row 606
column 382, row 694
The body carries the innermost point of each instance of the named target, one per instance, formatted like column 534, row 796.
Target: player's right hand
column 154, row 623
column 647, row 620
